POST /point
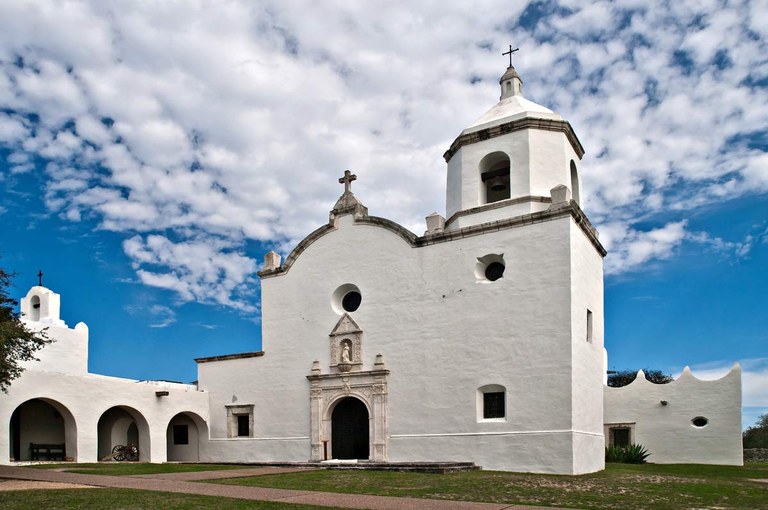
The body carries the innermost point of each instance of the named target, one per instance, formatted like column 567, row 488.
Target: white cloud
column 232, row 121
column 159, row 316
column 206, row 270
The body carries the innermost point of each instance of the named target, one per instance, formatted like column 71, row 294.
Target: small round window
column 346, row 298
column 494, row 271
column 351, row 301
column 490, row 268
column 699, row 421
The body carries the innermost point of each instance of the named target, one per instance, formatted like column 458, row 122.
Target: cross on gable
column 40, row 277
column 347, row 181
column 510, row 52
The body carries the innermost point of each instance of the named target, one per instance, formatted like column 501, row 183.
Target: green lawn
column 620, row 486
column 127, row 499
column 134, row 468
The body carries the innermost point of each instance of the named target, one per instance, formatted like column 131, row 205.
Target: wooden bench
column 39, row 451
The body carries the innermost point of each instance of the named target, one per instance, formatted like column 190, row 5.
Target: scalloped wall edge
column 685, row 376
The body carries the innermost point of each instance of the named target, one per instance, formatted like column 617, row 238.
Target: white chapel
column 480, row 340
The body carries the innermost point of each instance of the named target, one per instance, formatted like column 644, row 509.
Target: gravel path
column 159, row 483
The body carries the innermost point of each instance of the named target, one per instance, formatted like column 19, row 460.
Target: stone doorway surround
column 326, row 390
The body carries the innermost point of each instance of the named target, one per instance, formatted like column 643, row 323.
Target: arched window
column 494, row 174
column 575, row 183
column 491, row 402
column 34, row 308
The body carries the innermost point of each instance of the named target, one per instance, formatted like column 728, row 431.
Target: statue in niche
column 345, row 353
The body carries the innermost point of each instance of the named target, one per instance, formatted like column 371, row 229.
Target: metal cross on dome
column 347, row 181
column 40, row 277
column 510, row 52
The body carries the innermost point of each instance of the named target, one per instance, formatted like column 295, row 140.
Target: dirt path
column 332, row 499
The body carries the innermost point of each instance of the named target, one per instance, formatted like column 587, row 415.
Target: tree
column 17, row 343
column 757, row 435
column 624, row 377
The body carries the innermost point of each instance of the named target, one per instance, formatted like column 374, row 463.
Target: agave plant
column 632, row 454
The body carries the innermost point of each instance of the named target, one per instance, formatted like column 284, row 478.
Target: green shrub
column 632, row 454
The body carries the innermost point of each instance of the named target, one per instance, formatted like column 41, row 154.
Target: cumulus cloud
column 194, row 127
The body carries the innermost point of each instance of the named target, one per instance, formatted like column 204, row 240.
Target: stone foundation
column 755, row 454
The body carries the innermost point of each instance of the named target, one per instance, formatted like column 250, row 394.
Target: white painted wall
column 667, row 432
column 60, row 378
column 442, row 333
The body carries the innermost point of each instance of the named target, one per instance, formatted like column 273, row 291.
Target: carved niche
column 346, row 346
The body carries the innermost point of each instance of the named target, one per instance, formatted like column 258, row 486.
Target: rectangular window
column 589, row 325
column 493, row 405
column 180, row 434
column 243, row 425
column 620, row 437
column 239, row 420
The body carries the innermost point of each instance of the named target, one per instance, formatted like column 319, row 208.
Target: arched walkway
column 122, row 425
column 350, row 438
column 185, row 430
column 42, row 421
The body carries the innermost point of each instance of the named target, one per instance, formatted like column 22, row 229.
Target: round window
column 351, row 301
column 346, row 298
column 490, row 268
column 699, row 421
column 494, row 271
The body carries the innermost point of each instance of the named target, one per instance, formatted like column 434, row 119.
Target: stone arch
column 495, row 177
column 575, row 185
column 184, row 434
column 117, row 425
column 42, row 421
column 350, row 419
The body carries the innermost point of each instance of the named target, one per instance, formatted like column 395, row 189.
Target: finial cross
column 510, row 52
column 347, row 181
column 40, row 277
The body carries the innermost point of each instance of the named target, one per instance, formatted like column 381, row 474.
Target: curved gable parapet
column 570, row 209
column 394, row 227
column 397, row 229
column 298, row 250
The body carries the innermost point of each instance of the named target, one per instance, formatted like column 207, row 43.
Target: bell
column 497, row 184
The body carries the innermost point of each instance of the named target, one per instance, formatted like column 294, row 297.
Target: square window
column 243, row 425
column 493, row 405
column 620, row 437
column 180, row 434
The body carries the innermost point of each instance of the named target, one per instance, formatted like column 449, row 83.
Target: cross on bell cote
column 347, row 181
column 40, row 277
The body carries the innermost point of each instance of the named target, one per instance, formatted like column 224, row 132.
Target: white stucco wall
column 442, row 333
column 67, row 354
column 667, row 431
column 88, row 397
column 60, row 379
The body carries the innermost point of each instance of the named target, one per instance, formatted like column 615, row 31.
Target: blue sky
column 150, row 156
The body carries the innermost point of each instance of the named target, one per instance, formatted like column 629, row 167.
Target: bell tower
column 508, row 160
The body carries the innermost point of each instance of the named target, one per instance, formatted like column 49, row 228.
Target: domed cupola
column 506, row 162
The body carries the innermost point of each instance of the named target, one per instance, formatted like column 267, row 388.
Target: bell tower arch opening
column 350, row 436
column 34, row 310
column 495, row 176
column 575, row 192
